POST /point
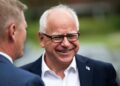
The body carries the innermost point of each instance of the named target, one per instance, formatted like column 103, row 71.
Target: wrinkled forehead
column 58, row 33
column 60, row 20
column 59, row 13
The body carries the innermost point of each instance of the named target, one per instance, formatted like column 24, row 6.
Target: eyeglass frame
column 68, row 35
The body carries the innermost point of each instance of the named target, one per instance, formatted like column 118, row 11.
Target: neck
column 57, row 67
column 6, row 49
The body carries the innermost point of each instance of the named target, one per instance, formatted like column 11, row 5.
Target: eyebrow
column 64, row 33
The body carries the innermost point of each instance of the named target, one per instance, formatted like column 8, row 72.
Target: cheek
column 77, row 46
column 78, row 43
column 25, row 34
column 51, row 46
column 22, row 35
column 45, row 44
column 23, row 38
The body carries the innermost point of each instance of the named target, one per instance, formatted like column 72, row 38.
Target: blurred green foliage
column 32, row 31
column 100, row 25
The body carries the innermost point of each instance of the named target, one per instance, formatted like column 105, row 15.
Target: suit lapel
column 37, row 67
column 85, row 71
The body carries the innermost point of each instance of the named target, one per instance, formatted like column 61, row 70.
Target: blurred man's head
column 12, row 27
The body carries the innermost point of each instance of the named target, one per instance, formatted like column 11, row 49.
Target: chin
column 66, row 60
column 20, row 55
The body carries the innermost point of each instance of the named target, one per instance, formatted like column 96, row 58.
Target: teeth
column 65, row 50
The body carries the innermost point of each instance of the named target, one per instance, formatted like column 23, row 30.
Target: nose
column 65, row 42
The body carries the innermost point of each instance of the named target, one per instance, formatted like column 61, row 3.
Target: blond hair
column 10, row 9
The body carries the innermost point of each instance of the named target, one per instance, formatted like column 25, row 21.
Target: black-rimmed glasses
column 59, row 38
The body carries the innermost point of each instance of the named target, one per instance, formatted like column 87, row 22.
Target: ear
column 11, row 32
column 41, row 39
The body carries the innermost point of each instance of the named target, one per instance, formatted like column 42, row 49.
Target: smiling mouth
column 65, row 50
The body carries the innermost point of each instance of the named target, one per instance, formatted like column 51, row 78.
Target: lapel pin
column 87, row 67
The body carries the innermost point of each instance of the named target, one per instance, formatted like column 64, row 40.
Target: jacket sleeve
column 111, row 73
column 36, row 81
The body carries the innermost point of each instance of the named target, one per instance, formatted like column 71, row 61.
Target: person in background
column 60, row 65
column 12, row 38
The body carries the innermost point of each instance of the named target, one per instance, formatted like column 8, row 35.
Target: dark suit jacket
column 91, row 72
column 13, row 76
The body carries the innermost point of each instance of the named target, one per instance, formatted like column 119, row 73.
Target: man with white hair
column 60, row 65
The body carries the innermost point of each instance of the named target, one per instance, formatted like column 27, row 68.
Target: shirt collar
column 45, row 68
column 6, row 56
column 44, row 65
column 72, row 66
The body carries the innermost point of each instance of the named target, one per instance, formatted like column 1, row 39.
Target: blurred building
column 82, row 7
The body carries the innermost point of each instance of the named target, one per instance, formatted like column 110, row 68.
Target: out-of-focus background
column 99, row 28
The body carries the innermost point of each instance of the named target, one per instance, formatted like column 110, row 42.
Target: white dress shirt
column 51, row 79
column 6, row 56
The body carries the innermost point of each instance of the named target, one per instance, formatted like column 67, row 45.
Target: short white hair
column 43, row 18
